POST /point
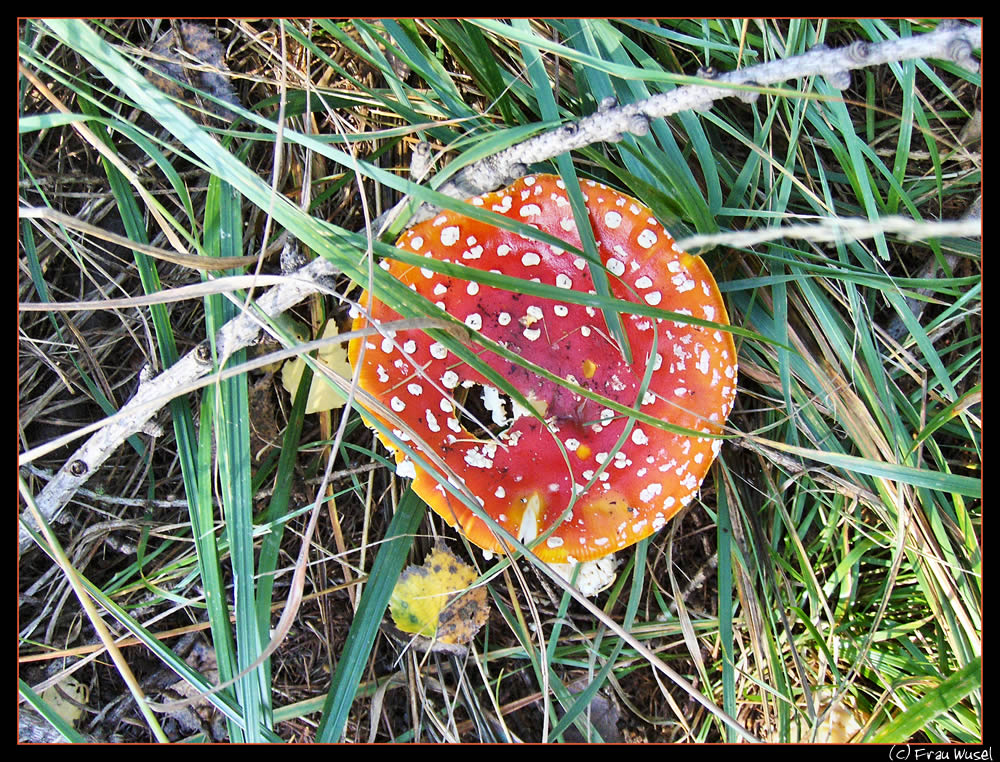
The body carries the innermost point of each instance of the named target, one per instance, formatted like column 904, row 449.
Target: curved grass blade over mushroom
column 611, row 494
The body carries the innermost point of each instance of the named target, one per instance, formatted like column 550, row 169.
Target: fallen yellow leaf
column 322, row 394
column 435, row 600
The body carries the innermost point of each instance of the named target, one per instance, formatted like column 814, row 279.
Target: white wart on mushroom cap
column 521, row 478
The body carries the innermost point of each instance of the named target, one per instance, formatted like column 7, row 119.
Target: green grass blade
column 224, row 236
column 56, row 720
column 938, row 700
column 385, row 571
column 726, row 604
column 918, row 477
column 636, row 590
column 277, row 507
column 547, row 103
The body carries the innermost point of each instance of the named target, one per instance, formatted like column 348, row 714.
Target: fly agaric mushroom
column 624, row 478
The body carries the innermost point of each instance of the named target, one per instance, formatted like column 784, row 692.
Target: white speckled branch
column 156, row 392
column 951, row 41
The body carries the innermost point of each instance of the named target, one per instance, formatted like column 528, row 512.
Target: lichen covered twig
column 951, row 41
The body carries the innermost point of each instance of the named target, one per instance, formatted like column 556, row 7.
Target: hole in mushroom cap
column 485, row 411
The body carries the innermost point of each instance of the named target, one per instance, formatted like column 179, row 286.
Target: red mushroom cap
column 521, row 477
